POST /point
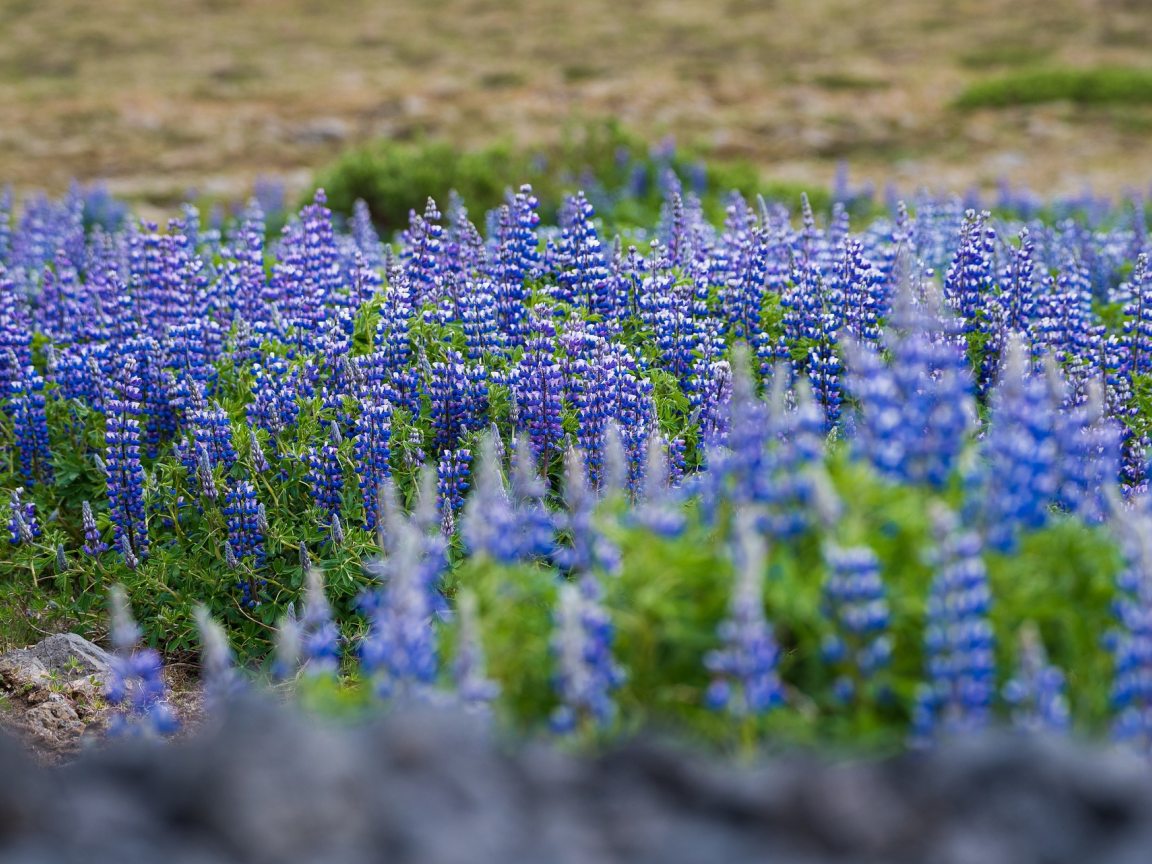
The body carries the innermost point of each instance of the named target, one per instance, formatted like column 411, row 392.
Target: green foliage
column 1100, row 86
column 396, row 177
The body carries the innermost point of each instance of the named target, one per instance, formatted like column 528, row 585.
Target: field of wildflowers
column 778, row 478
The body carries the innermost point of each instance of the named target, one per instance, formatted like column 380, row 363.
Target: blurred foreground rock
column 267, row 785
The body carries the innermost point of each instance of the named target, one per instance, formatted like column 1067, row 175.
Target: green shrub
column 396, row 177
column 1106, row 85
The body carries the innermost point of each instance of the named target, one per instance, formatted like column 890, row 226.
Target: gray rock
column 67, row 656
column 21, row 671
column 267, row 785
column 55, row 652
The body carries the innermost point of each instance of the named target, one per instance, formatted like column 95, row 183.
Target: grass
column 1109, row 85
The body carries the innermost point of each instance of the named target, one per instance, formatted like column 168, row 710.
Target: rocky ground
column 208, row 94
column 51, row 696
column 266, row 786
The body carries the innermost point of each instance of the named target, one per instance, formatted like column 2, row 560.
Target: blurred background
column 159, row 97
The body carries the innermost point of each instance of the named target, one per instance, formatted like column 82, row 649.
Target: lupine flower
column 241, row 512
column 915, row 414
column 490, row 527
column 1088, row 449
column 659, row 511
column 319, row 638
column 364, row 233
column 1037, row 691
column 400, row 652
column 1020, row 450
column 30, row 427
column 421, row 253
column 958, row 639
column 371, row 446
column 135, row 684
column 968, row 284
column 745, row 678
column 124, row 473
column 583, row 276
column 452, row 485
column 325, row 475
column 458, row 394
column 539, row 389
column 857, row 603
column 205, row 476
column 1131, row 643
column 212, row 434
column 216, row 666
column 588, row 549
column 259, row 461
column 587, row 671
column 23, row 526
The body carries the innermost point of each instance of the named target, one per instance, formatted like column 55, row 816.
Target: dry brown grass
column 161, row 95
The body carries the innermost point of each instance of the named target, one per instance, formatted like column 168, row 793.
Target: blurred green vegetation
column 1100, row 86
column 620, row 173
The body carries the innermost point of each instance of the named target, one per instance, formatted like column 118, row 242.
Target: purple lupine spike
column 1131, row 694
column 915, row 414
column 364, row 233
column 399, row 654
column 422, row 253
column 458, row 394
column 319, row 637
column 491, row 527
column 1138, row 319
column 745, row 678
column 326, row 477
column 1020, row 452
column 588, row 672
column 135, row 685
column 516, row 263
column 372, row 448
column 30, row 427
column 855, row 596
column 588, row 549
column 241, row 511
column 123, row 472
column 539, row 389
column 453, row 474
column 659, row 511
column 212, row 433
column 958, row 640
column 93, row 545
column 583, row 276
column 1010, row 310
column 968, row 284
column 218, row 674
column 1087, row 463
column 230, row 557
column 1036, row 693
column 863, row 293
column 256, row 452
column 23, row 526
column 478, row 314
column 205, row 475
